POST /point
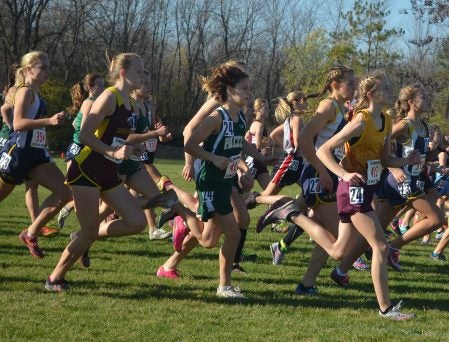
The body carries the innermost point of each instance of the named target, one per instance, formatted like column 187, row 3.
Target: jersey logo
column 132, row 121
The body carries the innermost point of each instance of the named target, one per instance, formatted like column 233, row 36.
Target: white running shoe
column 158, row 234
column 63, row 214
column 229, row 292
column 395, row 314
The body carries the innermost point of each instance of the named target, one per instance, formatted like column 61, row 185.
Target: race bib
column 420, row 185
column 314, row 186
column 231, row 170
column 5, row 159
column 339, row 152
column 416, row 169
column 39, row 138
column 3, row 141
column 151, row 145
column 404, row 189
column 374, row 171
column 116, row 143
column 74, row 149
column 356, row 194
column 294, row 165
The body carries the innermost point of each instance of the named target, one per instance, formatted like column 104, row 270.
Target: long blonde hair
column 28, row 60
column 120, row 61
column 284, row 109
column 367, row 84
column 406, row 94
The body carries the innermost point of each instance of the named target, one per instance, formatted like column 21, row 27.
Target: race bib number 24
column 356, row 194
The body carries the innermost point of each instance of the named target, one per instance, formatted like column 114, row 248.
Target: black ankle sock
column 238, row 252
column 387, row 309
column 293, row 232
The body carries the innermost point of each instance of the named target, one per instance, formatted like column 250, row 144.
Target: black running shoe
column 278, row 211
column 165, row 216
column 57, row 285
column 165, row 200
column 251, row 200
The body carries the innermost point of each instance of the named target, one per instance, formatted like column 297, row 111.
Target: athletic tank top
column 37, row 137
column 251, row 138
column 113, row 131
column 363, row 154
column 228, row 143
column 288, row 143
column 416, row 141
column 147, row 120
column 331, row 129
column 77, row 125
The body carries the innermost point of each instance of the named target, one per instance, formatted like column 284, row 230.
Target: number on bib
column 314, row 186
column 294, row 165
column 404, row 189
column 39, row 138
column 416, row 169
column 420, row 185
column 116, row 143
column 5, row 159
column 231, row 170
column 74, row 149
column 356, row 194
column 151, row 145
column 339, row 152
column 374, row 171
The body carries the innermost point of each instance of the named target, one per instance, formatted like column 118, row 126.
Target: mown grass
column 119, row 298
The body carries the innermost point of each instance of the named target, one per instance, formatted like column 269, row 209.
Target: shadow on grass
column 287, row 298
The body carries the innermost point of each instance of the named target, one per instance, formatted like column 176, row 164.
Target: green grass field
column 119, row 298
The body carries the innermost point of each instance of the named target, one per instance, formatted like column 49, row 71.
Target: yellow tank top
column 369, row 145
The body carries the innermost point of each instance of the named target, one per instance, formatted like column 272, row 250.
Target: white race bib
column 231, row 170
column 39, row 138
column 404, row 189
column 314, row 186
column 356, row 194
column 151, row 145
column 3, row 141
column 294, row 165
column 116, row 143
column 339, row 152
column 5, row 159
column 74, row 149
column 416, row 169
column 420, row 185
column 374, row 171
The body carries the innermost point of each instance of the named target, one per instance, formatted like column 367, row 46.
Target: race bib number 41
column 374, row 171
column 231, row 170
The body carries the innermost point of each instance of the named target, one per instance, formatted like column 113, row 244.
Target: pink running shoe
column 180, row 231
column 171, row 273
column 32, row 244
